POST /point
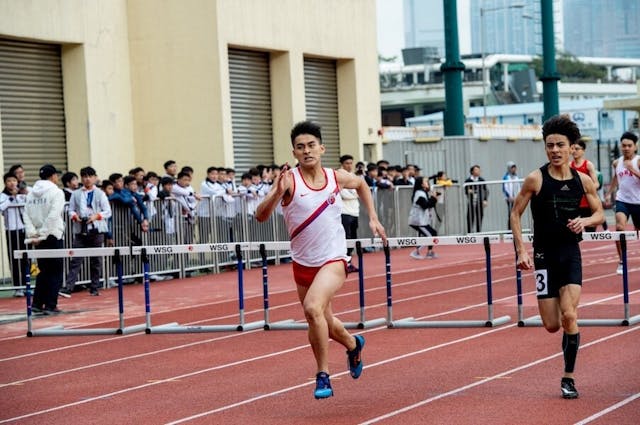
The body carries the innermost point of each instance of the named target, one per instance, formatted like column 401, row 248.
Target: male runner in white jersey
column 310, row 196
column 626, row 178
column 555, row 191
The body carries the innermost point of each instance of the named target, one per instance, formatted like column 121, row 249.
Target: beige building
column 121, row 83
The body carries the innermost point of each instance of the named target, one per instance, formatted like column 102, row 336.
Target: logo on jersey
column 565, row 187
column 331, row 199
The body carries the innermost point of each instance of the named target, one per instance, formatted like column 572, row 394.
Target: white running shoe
column 415, row 254
column 432, row 255
column 619, row 269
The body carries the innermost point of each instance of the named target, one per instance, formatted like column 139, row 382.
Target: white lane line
column 608, row 410
column 271, row 294
column 183, row 346
column 132, row 357
column 235, row 314
column 150, row 384
column 489, row 379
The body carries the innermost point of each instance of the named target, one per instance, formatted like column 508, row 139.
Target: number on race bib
column 542, row 285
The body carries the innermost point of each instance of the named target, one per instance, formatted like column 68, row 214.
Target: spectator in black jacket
column 478, row 195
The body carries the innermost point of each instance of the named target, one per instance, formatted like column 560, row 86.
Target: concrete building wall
column 96, row 73
column 148, row 80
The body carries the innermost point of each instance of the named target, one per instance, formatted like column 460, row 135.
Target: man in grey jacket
column 89, row 210
column 44, row 228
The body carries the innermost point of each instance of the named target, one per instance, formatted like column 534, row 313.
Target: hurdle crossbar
column 241, row 325
column 411, row 322
column 626, row 319
column 59, row 330
column 291, row 324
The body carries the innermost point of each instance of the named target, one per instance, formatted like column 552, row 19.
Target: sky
column 390, row 24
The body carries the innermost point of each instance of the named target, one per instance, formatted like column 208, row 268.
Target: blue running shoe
column 355, row 359
column 323, row 386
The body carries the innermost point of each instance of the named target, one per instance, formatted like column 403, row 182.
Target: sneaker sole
column 320, row 394
column 355, row 374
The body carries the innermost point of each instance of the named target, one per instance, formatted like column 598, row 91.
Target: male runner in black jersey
column 555, row 190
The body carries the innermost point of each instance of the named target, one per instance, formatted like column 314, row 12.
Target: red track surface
column 501, row 375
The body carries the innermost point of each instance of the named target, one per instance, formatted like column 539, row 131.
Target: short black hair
column 87, row 171
column 166, row 180
column 306, row 127
column 182, row 174
column 115, row 176
column 67, row 177
column 561, row 124
column 14, row 167
column 580, row 142
column 9, row 175
column 168, row 163
column 128, row 179
column 344, row 158
column 629, row 135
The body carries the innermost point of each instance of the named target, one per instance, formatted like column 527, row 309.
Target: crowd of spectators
column 137, row 190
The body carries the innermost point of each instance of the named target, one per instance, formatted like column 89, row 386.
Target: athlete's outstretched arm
column 530, row 186
column 279, row 189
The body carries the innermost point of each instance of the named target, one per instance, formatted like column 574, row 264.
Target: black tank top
column 557, row 202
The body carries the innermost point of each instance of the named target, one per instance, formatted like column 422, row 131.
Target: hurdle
column 362, row 323
column 291, row 324
column 188, row 249
column 410, row 322
column 59, row 330
column 626, row 319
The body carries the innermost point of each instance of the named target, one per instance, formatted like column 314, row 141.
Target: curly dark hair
column 561, row 124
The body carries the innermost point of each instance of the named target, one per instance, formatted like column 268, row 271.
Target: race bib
column 542, row 285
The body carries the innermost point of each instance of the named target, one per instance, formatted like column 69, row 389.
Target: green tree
column 571, row 69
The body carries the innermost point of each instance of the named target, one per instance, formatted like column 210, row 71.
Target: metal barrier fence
column 227, row 219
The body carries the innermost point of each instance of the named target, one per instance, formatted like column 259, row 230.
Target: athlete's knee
column 313, row 311
column 569, row 319
column 552, row 327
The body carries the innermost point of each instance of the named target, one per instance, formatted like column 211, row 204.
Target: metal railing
column 226, row 221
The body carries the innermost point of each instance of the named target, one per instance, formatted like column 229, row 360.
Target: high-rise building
column 602, row 28
column 511, row 26
column 424, row 25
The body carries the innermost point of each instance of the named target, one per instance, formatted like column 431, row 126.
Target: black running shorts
column 556, row 267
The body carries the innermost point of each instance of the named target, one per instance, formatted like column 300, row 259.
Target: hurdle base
column 62, row 331
column 174, row 328
column 128, row 330
column 411, row 323
column 634, row 320
column 366, row 324
column 286, row 325
column 537, row 321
